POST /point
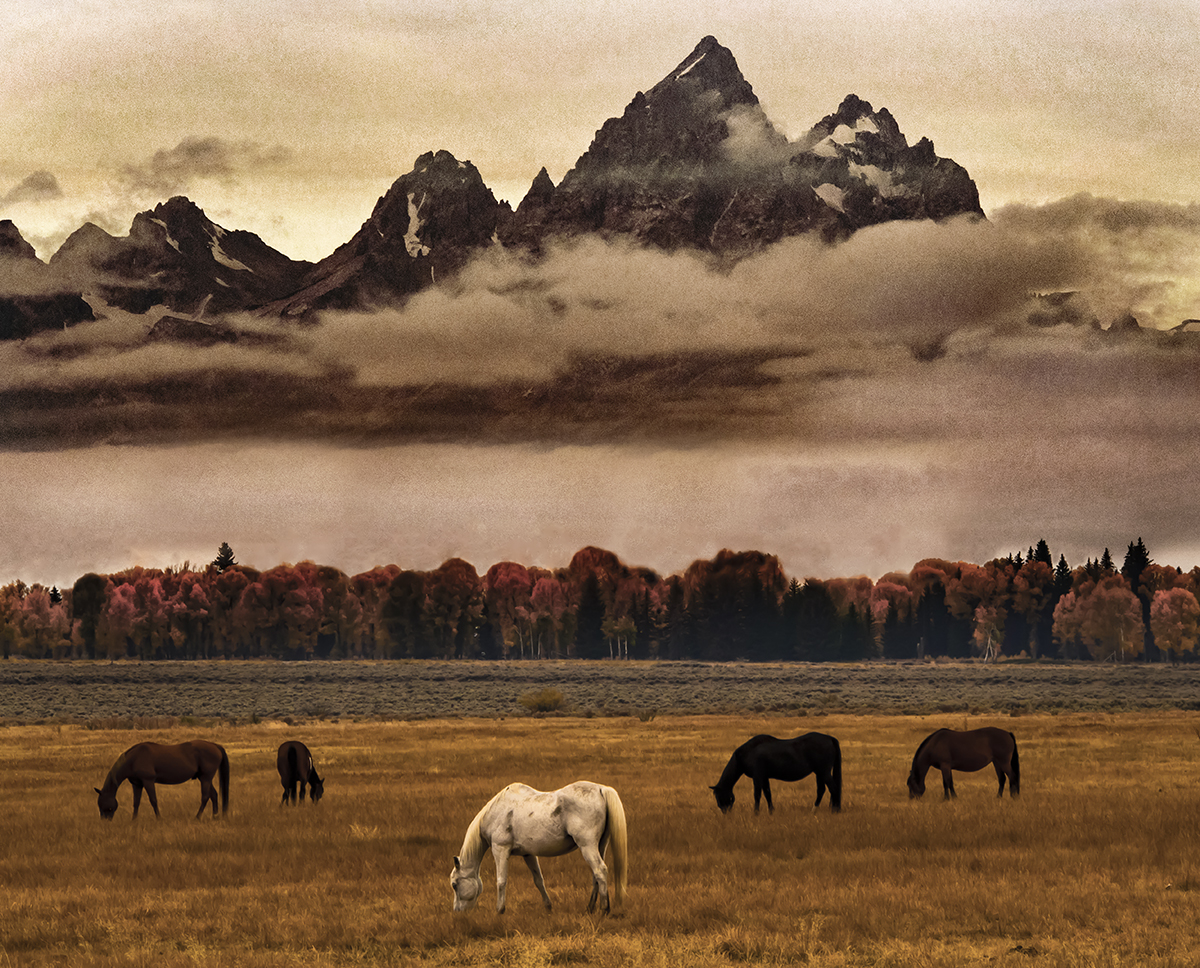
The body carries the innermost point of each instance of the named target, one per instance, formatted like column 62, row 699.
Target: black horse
column 765, row 758
column 966, row 750
column 296, row 766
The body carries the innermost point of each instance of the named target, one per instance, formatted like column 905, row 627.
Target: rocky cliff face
column 694, row 162
column 424, row 229
column 691, row 163
column 32, row 297
column 176, row 257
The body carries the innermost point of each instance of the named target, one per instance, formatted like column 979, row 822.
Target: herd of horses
column 520, row 821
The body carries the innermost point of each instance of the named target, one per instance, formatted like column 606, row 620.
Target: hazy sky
column 817, row 427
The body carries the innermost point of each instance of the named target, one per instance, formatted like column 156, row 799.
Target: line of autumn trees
column 736, row 606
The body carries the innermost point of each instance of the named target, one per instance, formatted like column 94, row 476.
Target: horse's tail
column 618, row 836
column 835, row 777
column 293, row 765
column 223, row 769
column 1014, row 783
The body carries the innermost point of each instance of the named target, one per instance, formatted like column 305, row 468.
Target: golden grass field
column 1095, row 865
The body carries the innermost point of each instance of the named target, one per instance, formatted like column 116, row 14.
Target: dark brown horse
column 967, row 751
column 296, row 766
column 148, row 764
column 764, row 758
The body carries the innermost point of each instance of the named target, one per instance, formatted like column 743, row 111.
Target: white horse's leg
column 500, row 855
column 595, row 860
column 536, row 870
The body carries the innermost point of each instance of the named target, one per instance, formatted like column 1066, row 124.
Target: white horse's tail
column 618, row 837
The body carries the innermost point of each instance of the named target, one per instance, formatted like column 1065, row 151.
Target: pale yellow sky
column 290, row 118
column 321, row 106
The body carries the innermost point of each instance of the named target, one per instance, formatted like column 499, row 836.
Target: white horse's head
column 466, row 887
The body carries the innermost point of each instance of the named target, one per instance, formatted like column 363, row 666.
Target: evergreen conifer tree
column 1062, row 577
column 224, row 559
column 1137, row 560
column 1042, row 553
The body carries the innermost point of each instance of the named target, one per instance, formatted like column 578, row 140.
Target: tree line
column 735, row 606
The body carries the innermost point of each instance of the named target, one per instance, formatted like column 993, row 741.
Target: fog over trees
column 737, row 606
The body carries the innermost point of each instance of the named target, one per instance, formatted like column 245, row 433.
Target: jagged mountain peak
column 179, row 208
column 682, row 121
column 13, row 243
column 855, row 121
column 423, row 229
column 708, row 68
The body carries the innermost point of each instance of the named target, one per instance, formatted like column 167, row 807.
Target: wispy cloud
column 170, row 171
column 40, row 186
column 907, row 331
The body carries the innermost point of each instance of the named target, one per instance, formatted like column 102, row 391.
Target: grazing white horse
column 528, row 823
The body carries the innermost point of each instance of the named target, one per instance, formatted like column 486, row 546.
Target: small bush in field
column 543, row 701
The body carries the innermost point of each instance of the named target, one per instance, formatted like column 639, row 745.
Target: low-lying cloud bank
column 907, row 331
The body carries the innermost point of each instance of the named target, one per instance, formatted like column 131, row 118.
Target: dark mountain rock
column 424, row 229
column 192, row 331
column 13, row 244
column 176, row 257
column 694, row 162
column 32, row 296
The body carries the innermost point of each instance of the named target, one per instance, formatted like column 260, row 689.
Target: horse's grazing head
column 724, row 798
column 466, row 887
column 916, row 785
column 107, row 802
column 316, row 786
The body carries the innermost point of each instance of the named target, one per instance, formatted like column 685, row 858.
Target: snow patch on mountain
column 167, row 232
column 831, row 195
column 412, row 241
column 224, row 259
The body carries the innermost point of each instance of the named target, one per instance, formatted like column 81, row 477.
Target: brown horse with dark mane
column 967, row 751
column 148, row 764
column 296, row 766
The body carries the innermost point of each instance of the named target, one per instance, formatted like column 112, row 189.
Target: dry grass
column 1096, row 864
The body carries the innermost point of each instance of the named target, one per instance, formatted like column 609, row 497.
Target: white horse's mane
column 473, row 844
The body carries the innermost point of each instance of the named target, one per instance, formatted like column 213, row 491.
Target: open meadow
column 1095, row 865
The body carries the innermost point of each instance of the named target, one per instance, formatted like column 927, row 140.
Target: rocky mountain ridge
column 692, row 163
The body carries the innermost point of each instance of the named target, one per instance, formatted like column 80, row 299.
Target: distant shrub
column 646, row 715
column 545, row 700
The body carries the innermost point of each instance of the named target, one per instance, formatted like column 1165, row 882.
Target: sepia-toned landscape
column 1094, row 866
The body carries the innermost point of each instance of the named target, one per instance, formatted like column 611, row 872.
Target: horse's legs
column 536, row 870
column 500, row 855
column 137, row 795
column 1000, row 775
column 948, row 783
column 149, row 785
column 303, row 784
column 820, row 790
column 766, row 788
column 595, row 860
column 207, row 792
column 758, row 792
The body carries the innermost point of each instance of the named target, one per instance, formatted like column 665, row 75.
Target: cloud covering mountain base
column 850, row 408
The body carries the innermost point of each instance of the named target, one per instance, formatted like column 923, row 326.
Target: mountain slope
column 422, row 230
column 694, row 162
column 176, row 257
column 32, row 296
